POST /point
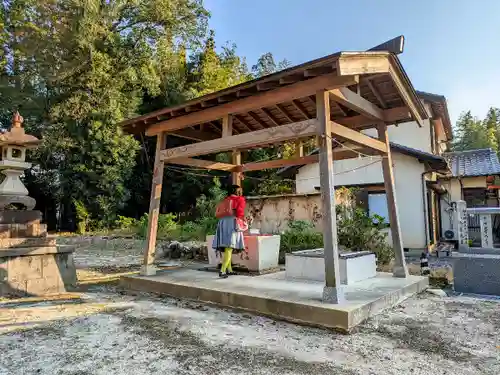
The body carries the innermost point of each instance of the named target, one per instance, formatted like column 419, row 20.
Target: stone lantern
column 13, row 145
column 31, row 261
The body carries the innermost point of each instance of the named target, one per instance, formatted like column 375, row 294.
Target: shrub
column 82, row 216
column 124, row 222
column 166, row 225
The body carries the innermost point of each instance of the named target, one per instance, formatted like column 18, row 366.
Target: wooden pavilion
column 331, row 98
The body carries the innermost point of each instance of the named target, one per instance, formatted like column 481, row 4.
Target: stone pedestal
column 31, row 264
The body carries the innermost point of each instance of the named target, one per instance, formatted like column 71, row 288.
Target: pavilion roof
column 380, row 79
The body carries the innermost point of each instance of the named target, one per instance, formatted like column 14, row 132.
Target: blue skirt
column 226, row 235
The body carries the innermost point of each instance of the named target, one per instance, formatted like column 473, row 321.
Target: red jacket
column 238, row 203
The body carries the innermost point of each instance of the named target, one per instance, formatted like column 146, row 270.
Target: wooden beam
column 338, row 154
column 399, row 269
column 392, row 115
column 244, row 141
column 301, row 109
column 227, row 126
column 279, row 95
column 207, row 164
column 280, row 163
column 357, row 103
column 357, row 138
column 194, row 135
column 332, row 291
column 368, row 63
column 148, row 268
column 404, row 91
column 375, row 92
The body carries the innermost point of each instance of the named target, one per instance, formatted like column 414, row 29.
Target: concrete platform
column 272, row 295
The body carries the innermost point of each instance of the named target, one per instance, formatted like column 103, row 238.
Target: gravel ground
column 113, row 333
column 109, row 332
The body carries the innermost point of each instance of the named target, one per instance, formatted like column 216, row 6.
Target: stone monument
column 31, row 264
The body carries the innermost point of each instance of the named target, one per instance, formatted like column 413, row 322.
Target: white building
column 425, row 184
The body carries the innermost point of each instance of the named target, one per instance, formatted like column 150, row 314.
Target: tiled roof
column 480, row 162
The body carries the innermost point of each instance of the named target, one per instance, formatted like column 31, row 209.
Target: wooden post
column 236, row 160
column 148, row 267
column 332, row 291
column 299, row 149
column 399, row 269
column 227, row 131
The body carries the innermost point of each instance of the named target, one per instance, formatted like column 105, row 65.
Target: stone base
column 476, row 273
column 310, row 265
column 275, row 296
column 37, row 271
column 23, row 230
column 24, row 200
column 148, row 270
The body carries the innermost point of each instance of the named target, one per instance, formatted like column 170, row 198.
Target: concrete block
column 310, row 265
column 476, row 273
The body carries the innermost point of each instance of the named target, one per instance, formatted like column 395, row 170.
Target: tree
column 85, row 66
column 266, row 65
column 472, row 133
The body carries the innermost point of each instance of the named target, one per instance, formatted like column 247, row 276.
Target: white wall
column 409, row 134
column 409, row 191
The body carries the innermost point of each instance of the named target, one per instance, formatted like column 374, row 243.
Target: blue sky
column 452, row 46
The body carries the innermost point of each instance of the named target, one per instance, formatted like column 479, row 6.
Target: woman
column 229, row 235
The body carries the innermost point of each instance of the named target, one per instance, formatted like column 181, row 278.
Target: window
column 16, row 153
column 377, row 205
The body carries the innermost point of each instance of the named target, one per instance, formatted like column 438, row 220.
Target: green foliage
column 82, row 216
column 472, row 133
column 205, row 205
column 300, row 235
column 274, row 186
column 75, row 69
column 356, row 231
column 124, row 222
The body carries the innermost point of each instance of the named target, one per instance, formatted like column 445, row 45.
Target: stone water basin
column 261, row 253
column 310, row 265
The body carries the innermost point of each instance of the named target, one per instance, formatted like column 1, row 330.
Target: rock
column 437, row 292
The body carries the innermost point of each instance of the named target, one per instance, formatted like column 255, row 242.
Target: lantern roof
column 16, row 135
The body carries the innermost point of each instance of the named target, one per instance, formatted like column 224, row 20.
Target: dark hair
column 233, row 189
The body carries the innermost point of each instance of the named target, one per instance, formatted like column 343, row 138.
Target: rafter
column 301, row 109
column 194, row 135
column 279, row 95
column 271, row 117
column 284, row 112
column 375, row 92
column 257, row 119
column 356, row 102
